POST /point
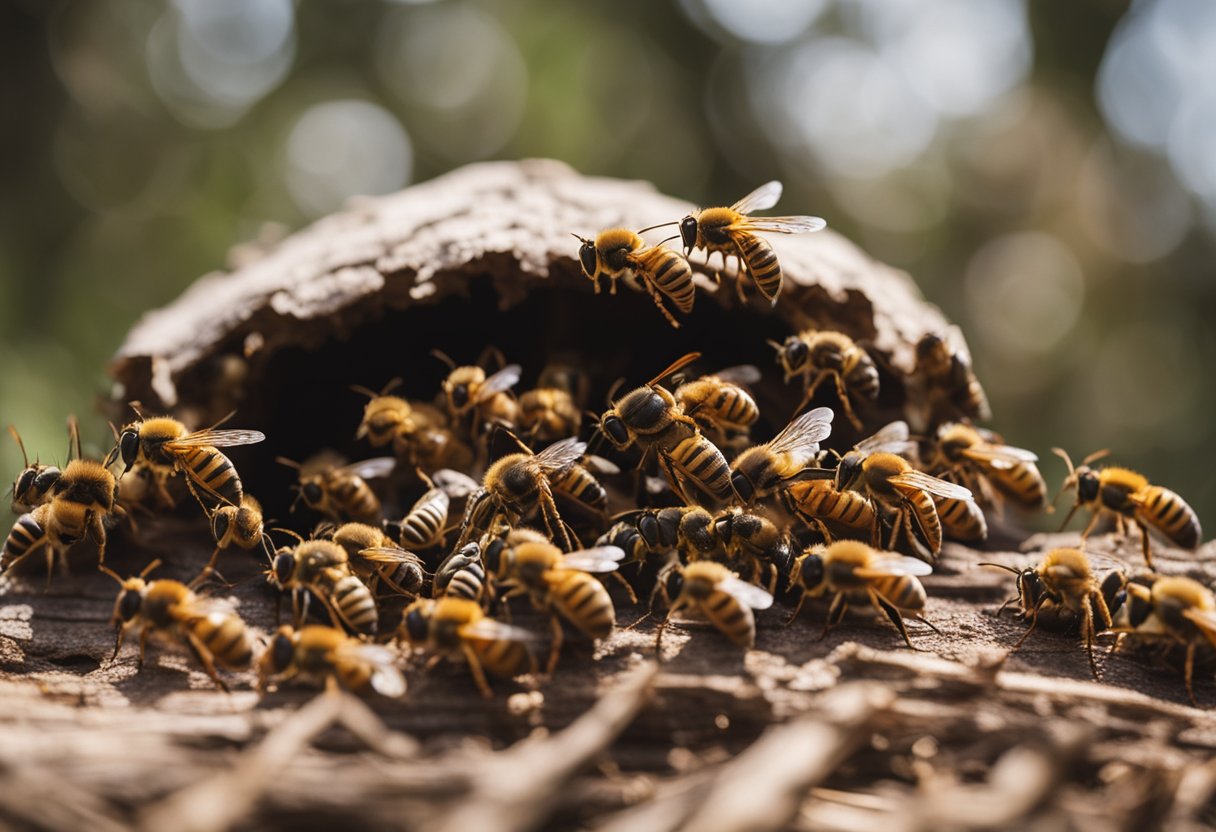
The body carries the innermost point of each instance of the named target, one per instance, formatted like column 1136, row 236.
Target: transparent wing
column 600, row 465
column 750, row 594
column 217, row 439
column 800, row 438
column 894, row 565
column 203, row 607
column 1205, row 620
column 1104, row 563
column 454, row 483
column 933, row 485
column 561, row 455
column 742, row 374
column 500, row 382
column 491, row 630
column 761, row 199
column 389, row 554
column 1001, row 455
column 888, row 438
column 386, row 678
column 370, row 469
column 783, row 225
column 598, row 559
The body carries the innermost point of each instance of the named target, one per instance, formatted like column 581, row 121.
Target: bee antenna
column 136, row 405
column 364, row 391
column 775, row 344
column 107, row 570
column 290, row 463
column 153, row 565
column 422, row 475
column 582, row 240
column 667, row 239
column 678, row 364
column 1095, row 456
column 73, row 438
column 1002, row 566
column 1063, row 454
column 612, row 391
column 660, row 225
column 500, row 429
column 444, row 357
column 287, row 532
column 12, row 431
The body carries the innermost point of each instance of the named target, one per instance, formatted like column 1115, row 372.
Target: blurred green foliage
column 1043, row 169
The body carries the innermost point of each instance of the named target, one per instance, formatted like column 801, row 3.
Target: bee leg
column 1034, row 620
column 1087, row 631
column 835, row 614
column 927, row 623
column 797, row 609
column 118, row 640
column 207, row 570
column 658, row 636
column 1148, row 553
column 809, row 393
column 633, row 596
column 479, row 675
column 201, row 653
column 658, row 301
column 1002, row 607
column 143, row 646
column 847, row 406
column 1189, row 672
column 1089, row 527
column 555, row 646
column 893, row 614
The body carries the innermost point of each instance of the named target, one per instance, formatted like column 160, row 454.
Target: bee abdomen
column 1023, row 483
column 1172, row 516
column 904, row 592
column 962, row 520
column 673, row 277
column 226, row 638
column 26, row 533
column 503, row 658
column 705, row 465
column 862, row 379
column 735, row 407
column 733, row 619
column 355, row 604
column 587, row 605
column 921, row 504
column 213, row 472
column 762, row 263
column 422, row 526
column 578, row 483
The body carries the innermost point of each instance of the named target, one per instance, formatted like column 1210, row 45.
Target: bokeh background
column 1046, row 170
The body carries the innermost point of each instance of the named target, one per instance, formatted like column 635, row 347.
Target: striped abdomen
column 924, row 518
column 225, row 637
column 580, row 484
column 583, row 601
column 861, row 375
column 905, row 592
column 1021, row 482
column 352, row 497
column 761, row 262
column 27, row 535
column 423, row 526
column 732, row 618
column 503, row 658
column 732, row 407
column 1169, row 514
column 962, row 520
column 699, row 461
column 213, row 472
column 354, row 604
column 671, row 276
column 820, row 499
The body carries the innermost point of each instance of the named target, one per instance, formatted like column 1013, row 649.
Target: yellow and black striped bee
column 732, row 233
column 962, row 520
column 28, row 536
column 1066, row 580
column 457, row 628
column 901, row 495
column 1175, row 611
column 169, row 610
column 754, row 543
column 385, row 416
column 721, row 404
column 242, row 526
column 766, row 469
column 579, row 485
column 321, row 569
column 1130, row 496
column 374, row 556
column 651, row 418
column 340, row 491
column 947, row 387
column 852, row 572
column 981, row 461
column 820, row 355
column 819, row 503
column 33, row 485
column 469, row 393
column 547, row 414
column 688, row 530
column 462, row 574
column 328, row 655
column 525, row 563
column 714, row 591
column 167, row 446
column 425, row 524
column 621, row 254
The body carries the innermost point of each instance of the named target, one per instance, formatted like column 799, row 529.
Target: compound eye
column 128, row 608
column 742, row 486
column 460, row 395
column 220, row 525
column 312, row 493
column 796, row 349
column 688, row 233
column 284, row 565
column 674, row 584
column 615, row 430
column 812, row 571
column 128, row 445
column 586, row 258
column 282, row 651
column 25, row 482
column 416, row 626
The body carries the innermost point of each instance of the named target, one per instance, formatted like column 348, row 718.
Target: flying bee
column 242, row 526
column 651, row 418
column 519, row 484
column 321, row 568
column 556, row 583
column 981, row 461
column 765, row 469
column 326, row 654
column 620, row 254
column 717, row 593
column 754, row 542
column 169, row 610
column 463, row 575
column 33, row 485
column 1067, row 580
column 547, row 414
column 166, row 446
column 851, row 571
column 731, row 232
column 819, row 502
column 820, row 355
column 897, row 490
column 1130, row 496
column 469, row 393
column 1174, row 610
column 457, row 628
column 340, row 491
column 720, row 403
column 948, row 388
column 374, row 556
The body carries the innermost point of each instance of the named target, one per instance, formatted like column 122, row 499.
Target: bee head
column 1087, row 484
column 614, row 428
column 743, row 486
column 220, row 521
column 849, row 470
column 127, row 447
column 688, row 233
column 131, row 599
column 492, row 555
column 312, row 493
column 417, row 622
column 587, row 257
column 697, row 527
column 284, row 566
column 673, row 583
column 811, row 570
column 281, row 650
column 1030, row 588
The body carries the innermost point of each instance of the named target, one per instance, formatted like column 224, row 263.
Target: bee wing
column 761, row 199
column 742, row 374
column 599, row 559
column 218, row 439
column 1104, row 563
column 386, row 677
column 894, row 565
column 1001, row 456
column 892, row 438
column 491, row 630
column 370, row 469
column 454, row 483
column 500, row 382
column 783, row 225
column 200, row 607
column 800, row 438
column 750, row 594
column 1205, row 620
column 600, row 465
column 561, row 455
column 388, row 554
column 933, row 485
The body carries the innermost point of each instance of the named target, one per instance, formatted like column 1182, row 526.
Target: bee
column 948, row 386
column 547, row 414
column 720, row 403
column 322, row 569
column 169, row 610
column 651, row 418
column 731, row 232
column 463, row 575
column 754, row 542
column 852, row 571
column 326, row 654
column 469, row 393
column 455, row 627
column 27, row 536
column 435, row 448
column 385, row 417
column 580, row 485
column 567, row 377
column 166, row 446
column 621, row 254
column 374, row 556
column 242, row 526
column 519, row 484
column 1066, row 580
column 556, row 583
column 897, row 490
column 817, row 502
column 961, row 520
column 717, row 593
column 340, row 491
column 981, row 461
column 765, row 469
column 33, row 485
column 1130, row 496
column 661, row 531
column 817, row 356
column 425, row 523
column 1175, row 610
